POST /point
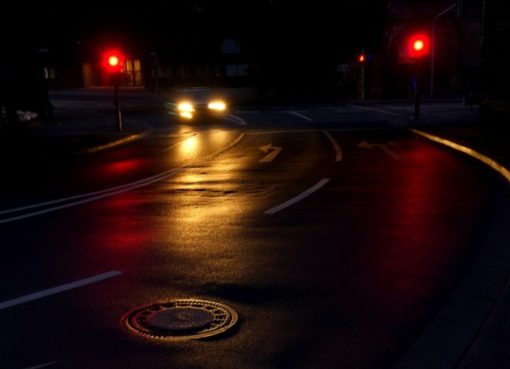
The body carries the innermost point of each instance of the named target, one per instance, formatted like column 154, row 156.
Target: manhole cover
column 181, row 319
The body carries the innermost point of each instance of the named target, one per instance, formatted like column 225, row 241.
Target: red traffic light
column 113, row 61
column 418, row 46
column 361, row 58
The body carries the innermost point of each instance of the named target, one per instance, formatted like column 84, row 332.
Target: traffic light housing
column 418, row 45
column 113, row 61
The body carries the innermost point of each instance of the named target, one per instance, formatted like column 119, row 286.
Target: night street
column 334, row 232
column 256, row 184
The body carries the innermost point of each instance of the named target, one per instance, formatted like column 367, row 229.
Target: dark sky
column 256, row 22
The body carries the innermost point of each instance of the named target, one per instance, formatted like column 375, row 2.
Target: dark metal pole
column 363, row 83
column 417, row 92
column 116, row 104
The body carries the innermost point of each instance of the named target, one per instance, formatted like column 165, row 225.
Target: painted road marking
column 271, row 151
column 300, row 115
column 59, row 289
column 97, row 195
column 235, row 119
column 105, row 194
column 336, row 146
column 89, row 194
column 298, row 198
column 42, row 365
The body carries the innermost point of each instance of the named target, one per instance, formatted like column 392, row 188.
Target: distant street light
column 433, row 47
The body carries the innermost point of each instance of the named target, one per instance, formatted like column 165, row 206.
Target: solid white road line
column 300, row 115
column 336, row 146
column 298, row 198
column 58, row 289
column 97, row 195
column 42, row 365
column 94, row 198
column 162, row 175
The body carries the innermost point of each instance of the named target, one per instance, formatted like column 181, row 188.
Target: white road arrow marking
column 384, row 147
column 271, row 151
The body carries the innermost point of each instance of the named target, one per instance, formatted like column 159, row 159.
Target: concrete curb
column 461, row 331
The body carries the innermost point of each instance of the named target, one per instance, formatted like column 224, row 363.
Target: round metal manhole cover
column 181, row 319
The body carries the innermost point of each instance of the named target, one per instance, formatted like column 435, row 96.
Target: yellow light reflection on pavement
column 190, row 146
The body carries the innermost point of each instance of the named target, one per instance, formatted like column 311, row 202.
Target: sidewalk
column 472, row 331
column 84, row 121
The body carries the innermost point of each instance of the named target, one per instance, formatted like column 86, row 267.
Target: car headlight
column 217, row 105
column 185, row 109
column 185, row 106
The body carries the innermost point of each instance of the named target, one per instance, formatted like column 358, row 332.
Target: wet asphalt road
column 333, row 233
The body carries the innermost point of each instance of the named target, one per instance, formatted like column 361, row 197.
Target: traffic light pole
column 417, row 91
column 116, row 104
column 363, row 86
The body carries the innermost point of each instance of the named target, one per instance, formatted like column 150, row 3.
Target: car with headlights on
column 198, row 105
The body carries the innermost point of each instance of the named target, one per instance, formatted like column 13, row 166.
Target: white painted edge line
column 236, row 119
column 300, row 115
column 59, row 289
column 298, row 198
column 42, row 365
column 97, row 195
column 94, row 198
column 336, row 146
column 89, row 194
column 466, row 150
